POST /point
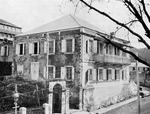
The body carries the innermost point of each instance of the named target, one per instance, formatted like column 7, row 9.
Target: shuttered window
column 20, row 49
column 51, row 46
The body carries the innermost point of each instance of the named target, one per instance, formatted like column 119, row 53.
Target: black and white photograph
column 74, row 56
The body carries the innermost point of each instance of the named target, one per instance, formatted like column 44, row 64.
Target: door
column 57, row 98
column 34, row 70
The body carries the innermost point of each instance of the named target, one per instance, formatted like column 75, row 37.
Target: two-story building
column 69, row 54
column 7, row 32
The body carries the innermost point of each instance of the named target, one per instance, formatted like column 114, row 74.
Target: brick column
column 63, row 103
column 67, row 101
column 22, row 110
column 46, row 108
column 50, row 102
column 81, row 99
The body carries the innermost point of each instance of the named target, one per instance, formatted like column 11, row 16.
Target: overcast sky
column 30, row 14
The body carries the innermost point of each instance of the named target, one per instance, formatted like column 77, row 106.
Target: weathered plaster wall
column 27, row 58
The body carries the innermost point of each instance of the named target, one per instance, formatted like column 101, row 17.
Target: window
column 117, row 74
column 110, row 49
column 51, row 72
column 52, row 46
column 99, row 74
column 68, row 45
column 86, row 46
column 117, row 51
column 34, row 48
column 4, row 51
column 108, row 74
column 89, row 75
column 58, row 72
column 100, row 48
column 69, row 73
column 20, row 49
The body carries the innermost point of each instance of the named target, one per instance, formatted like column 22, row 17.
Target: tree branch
column 117, row 22
column 144, row 8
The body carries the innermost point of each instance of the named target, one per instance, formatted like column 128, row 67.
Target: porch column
column 67, row 101
column 50, row 102
column 63, row 104
column 81, row 99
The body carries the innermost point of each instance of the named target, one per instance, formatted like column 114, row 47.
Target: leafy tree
column 138, row 13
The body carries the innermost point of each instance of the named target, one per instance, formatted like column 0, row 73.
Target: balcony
column 111, row 59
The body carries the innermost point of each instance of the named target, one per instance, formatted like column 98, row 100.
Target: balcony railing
column 111, row 59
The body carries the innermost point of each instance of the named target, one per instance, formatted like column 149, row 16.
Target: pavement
column 104, row 110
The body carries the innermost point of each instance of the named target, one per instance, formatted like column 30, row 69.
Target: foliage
column 31, row 94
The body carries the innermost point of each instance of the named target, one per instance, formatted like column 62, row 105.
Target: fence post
column 46, row 108
column 22, row 110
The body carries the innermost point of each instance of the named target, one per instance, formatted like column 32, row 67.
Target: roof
column 65, row 22
column 7, row 23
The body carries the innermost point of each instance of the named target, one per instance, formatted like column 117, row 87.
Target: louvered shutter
column 104, row 74
column 63, row 72
column 73, row 73
column 45, row 47
column 63, row 45
column 2, row 51
column 44, row 72
column 30, row 48
column 94, row 46
column 94, row 74
column 73, row 45
column 17, row 49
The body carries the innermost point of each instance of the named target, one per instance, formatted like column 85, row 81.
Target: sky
column 29, row 14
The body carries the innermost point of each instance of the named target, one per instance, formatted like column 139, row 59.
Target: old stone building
column 7, row 32
column 70, row 55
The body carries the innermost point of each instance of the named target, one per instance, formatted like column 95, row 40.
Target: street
column 132, row 108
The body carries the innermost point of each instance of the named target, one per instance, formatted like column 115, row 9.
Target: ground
column 132, row 108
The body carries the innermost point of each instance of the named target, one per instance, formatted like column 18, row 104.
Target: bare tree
column 139, row 13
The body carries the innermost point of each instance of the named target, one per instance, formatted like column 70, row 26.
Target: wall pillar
column 46, row 108
column 63, row 103
column 50, row 102
column 67, row 101
column 81, row 99
column 22, row 110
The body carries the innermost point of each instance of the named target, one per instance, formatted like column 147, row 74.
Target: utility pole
column 138, row 92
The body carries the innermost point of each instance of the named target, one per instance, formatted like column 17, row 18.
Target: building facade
column 69, row 54
column 7, row 32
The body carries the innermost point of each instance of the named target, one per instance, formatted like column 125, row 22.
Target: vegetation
column 31, row 93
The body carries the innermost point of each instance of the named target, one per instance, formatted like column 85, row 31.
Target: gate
column 57, row 98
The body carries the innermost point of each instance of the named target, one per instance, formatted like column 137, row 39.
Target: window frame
column 53, row 47
column 99, row 50
column 53, row 77
column 107, row 75
column 115, row 74
column 22, row 43
column 102, row 78
column 33, row 47
column 73, row 45
column 72, row 68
